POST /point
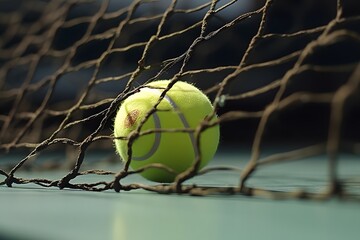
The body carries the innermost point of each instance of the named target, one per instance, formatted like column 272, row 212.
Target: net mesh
column 276, row 72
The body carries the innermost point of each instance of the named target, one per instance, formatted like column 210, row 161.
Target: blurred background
column 37, row 54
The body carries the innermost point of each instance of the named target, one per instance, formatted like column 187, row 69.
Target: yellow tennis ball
column 183, row 107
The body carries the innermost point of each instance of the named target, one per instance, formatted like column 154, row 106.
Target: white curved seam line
column 156, row 140
column 158, row 126
column 185, row 123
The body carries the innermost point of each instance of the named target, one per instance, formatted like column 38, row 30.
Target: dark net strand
column 66, row 66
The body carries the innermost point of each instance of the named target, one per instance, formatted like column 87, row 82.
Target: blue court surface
column 32, row 212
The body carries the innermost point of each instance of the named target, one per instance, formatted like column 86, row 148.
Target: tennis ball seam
column 156, row 143
column 157, row 124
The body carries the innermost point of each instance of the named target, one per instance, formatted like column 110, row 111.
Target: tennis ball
column 183, row 107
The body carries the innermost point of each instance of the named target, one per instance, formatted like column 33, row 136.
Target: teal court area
column 33, row 212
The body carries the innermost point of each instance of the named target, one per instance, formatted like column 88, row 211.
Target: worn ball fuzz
column 184, row 107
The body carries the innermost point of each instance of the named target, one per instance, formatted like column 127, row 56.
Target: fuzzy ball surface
column 184, row 107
